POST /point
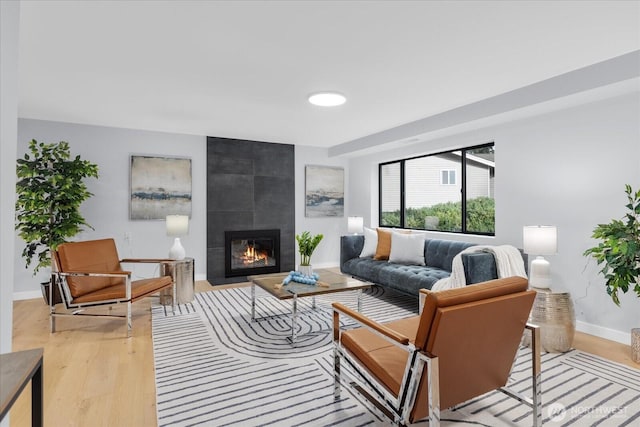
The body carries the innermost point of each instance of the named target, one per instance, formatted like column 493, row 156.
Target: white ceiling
column 244, row 69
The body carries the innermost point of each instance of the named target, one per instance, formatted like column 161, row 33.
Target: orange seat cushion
column 385, row 360
column 139, row 289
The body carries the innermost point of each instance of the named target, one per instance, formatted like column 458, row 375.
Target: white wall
column 108, row 210
column 328, row 252
column 567, row 168
column 9, row 18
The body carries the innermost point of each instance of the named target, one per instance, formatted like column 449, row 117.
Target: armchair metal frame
column 60, row 279
column 398, row 408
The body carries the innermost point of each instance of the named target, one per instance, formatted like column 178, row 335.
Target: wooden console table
column 16, row 370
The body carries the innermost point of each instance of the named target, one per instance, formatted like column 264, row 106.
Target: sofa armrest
column 350, row 247
column 479, row 267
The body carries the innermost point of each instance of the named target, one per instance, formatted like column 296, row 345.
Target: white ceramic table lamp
column 355, row 224
column 177, row 225
column 540, row 240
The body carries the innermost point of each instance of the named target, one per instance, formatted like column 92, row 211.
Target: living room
column 565, row 147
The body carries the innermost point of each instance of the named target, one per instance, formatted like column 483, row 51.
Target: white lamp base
column 540, row 274
column 177, row 251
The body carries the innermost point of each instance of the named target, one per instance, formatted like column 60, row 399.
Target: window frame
column 449, row 173
column 463, row 188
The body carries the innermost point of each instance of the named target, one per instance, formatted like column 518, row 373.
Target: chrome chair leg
column 336, row 374
column 536, row 375
column 129, row 325
column 433, row 380
column 175, row 297
column 52, row 319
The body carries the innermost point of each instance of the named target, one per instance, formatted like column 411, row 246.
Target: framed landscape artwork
column 324, row 191
column 160, row 186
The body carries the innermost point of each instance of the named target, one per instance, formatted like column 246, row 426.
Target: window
column 390, row 195
column 448, row 177
column 450, row 191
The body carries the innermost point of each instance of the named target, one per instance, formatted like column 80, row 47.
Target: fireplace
column 248, row 252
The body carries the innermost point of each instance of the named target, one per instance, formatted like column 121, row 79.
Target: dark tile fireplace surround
column 250, row 191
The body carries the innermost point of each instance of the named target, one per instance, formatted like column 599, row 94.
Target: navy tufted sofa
column 409, row 279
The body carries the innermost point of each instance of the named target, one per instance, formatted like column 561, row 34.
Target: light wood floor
column 94, row 376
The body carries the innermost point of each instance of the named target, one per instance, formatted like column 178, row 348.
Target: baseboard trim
column 602, row 332
column 17, row 296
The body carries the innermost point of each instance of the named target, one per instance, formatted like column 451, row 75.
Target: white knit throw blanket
column 509, row 263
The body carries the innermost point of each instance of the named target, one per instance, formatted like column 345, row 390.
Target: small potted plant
column 306, row 245
column 50, row 190
column 618, row 253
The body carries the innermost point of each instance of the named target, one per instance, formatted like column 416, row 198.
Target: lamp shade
column 177, row 225
column 540, row 239
column 355, row 224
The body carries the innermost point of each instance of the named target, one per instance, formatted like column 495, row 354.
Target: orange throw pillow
column 384, row 245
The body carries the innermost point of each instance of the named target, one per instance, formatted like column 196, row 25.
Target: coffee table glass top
column 329, row 281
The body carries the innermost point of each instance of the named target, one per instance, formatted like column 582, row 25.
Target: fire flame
column 252, row 256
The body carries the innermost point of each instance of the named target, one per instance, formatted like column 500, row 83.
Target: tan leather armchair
column 90, row 274
column 462, row 345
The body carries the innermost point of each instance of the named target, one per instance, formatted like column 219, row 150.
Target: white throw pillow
column 370, row 242
column 407, row 248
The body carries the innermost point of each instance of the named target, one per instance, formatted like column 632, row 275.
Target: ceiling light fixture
column 327, row 99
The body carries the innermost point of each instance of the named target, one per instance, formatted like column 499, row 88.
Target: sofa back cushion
column 383, row 248
column 440, row 253
column 407, row 248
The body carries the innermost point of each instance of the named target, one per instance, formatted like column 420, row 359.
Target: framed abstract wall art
column 324, row 191
column 160, row 186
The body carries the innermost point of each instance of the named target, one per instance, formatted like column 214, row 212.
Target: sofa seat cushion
column 385, row 360
column 139, row 289
column 364, row 268
column 409, row 278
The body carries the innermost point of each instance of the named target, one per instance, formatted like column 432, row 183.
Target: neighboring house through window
column 448, row 191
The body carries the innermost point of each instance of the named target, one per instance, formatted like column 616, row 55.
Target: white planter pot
column 307, row 270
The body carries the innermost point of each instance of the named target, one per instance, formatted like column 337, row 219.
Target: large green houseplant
column 50, row 190
column 618, row 253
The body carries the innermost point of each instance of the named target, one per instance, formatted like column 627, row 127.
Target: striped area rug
column 214, row 367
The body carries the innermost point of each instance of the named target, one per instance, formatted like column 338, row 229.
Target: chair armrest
column 95, row 273
column 148, row 260
column 364, row 320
